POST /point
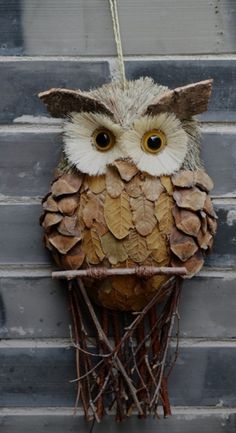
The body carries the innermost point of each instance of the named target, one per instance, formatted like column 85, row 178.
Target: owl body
column 130, row 190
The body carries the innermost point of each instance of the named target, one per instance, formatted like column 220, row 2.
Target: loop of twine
column 116, row 30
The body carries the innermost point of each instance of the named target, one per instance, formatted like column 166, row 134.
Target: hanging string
column 116, row 30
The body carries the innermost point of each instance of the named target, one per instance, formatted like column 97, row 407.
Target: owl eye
column 103, row 139
column 153, row 141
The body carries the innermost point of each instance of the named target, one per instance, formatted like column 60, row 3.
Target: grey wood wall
column 50, row 43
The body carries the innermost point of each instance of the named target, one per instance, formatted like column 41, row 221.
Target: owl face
column 144, row 123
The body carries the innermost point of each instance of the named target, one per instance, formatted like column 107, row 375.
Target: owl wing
column 194, row 220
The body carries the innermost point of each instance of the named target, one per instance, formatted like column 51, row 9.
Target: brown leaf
column 203, row 221
column 118, row 215
column 154, row 284
column 183, row 179
column 74, row 259
column 166, row 182
column 151, row 187
column 114, row 184
column 143, row 215
column 93, row 209
column 113, row 248
column 68, row 205
column 92, row 247
column 204, row 239
column 51, row 219
column 182, row 246
column 126, row 169
column 203, row 180
column 133, row 187
column 157, row 245
column 212, row 224
column 163, row 213
column 69, row 227
column 187, row 221
column 67, row 184
column 193, row 265
column 63, row 244
column 124, row 285
column 208, row 207
column 96, row 184
column 136, row 247
column 192, row 199
column 50, row 204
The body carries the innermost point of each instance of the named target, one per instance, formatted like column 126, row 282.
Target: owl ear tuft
column 61, row 102
column 184, row 101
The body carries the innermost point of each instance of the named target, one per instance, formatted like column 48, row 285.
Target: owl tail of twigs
column 125, row 369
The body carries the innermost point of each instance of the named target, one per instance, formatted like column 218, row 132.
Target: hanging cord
column 116, row 29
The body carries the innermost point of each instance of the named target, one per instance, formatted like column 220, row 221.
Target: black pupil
column 154, row 142
column 103, row 140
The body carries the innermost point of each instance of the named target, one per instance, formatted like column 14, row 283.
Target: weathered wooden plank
column 21, row 236
column 41, row 376
column 185, row 421
column 85, row 28
column 21, row 81
column 38, row 308
column 36, row 154
column 174, row 73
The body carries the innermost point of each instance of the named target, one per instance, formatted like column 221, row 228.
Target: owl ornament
column 128, row 216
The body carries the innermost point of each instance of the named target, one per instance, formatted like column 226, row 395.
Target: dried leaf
column 204, row 239
column 183, row 179
column 163, row 213
column 69, row 227
column 208, row 207
column 182, row 246
column 51, row 219
column 212, row 224
column 74, row 259
column 203, row 221
column 203, row 180
column 118, row 215
column 136, row 247
column 124, row 285
column 192, row 199
column 157, row 245
column 92, row 247
column 193, row 265
column 143, row 215
column 133, row 187
column 155, row 283
column 126, row 169
column 113, row 249
column 67, row 184
column 166, row 182
column 187, row 221
column 96, row 184
column 63, row 244
column 68, row 205
column 114, row 184
column 93, row 209
column 151, row 187
column 49, row 204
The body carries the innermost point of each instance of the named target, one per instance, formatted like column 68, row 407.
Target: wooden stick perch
column 102, row 272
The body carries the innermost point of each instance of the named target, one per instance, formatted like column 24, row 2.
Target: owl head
column 144, row 123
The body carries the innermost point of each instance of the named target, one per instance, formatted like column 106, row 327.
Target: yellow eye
column 103, row 139
column 153, row 141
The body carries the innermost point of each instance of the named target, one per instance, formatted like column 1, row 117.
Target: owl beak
column 126, row 168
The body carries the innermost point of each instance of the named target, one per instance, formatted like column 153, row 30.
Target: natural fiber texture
column 103, row 221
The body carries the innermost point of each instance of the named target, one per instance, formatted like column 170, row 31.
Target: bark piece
column 187, row 221
column 143, row 215
column 212, row 225
column 163, row 213
column 184, row 101
column 69, row 227
column 193, row 265
column 126, row 169
column 60, row 102
column 68, row 205
column 114, row 249
column 203, row 181
column 203, row 221
column 51, row 219
column 67, row 184
column 182, row 246
column 192, row 199
column 74, row 259
column 208, row 207
column 63, row 244
column 114, row 184
column 136, row 247
column 49, row 204
column 152, row 188
column 204, row 239
column 183, row 179
column 118, row 215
